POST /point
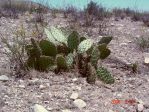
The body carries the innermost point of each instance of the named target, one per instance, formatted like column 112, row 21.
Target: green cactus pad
column 104, row 75
column 48, row 48
column 45, row 62
column 73, row 41
column 104, row 51
column 85, row 45
column 50, row 36
column 61, row 62
column 105, row 40
column 95, row 56
column 70, row 60
column 58, row 35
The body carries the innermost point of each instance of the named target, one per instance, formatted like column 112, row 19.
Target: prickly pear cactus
column 104, row 51
column 70, row 60
column 58, row 35
column 48, row 48
column 91, row 77
column 73, row 41
column 105, row 40
column 50, row 37
column 61, row 62
column 95, row 56
column 104, row 75
column 85, row 45
column 45, row 62
column 82, row 38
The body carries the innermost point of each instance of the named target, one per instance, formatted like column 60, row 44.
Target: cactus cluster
column 64, row 52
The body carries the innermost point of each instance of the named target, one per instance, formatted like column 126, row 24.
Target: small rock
column 39, row 108
column 74, row 80
column 80, row 103
column 74, row 96
column 66, row 110
column 111, row 111
column 140, row 107
column 78, row 88
column 146, row 58
column 4, row 78
column 42, row 87
column 21, row 86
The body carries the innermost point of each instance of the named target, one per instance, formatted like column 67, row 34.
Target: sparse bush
column 143, row 43
column 15, row 50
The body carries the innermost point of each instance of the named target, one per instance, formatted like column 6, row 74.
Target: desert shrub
column 143, row 43
column 61, row 53
column 15, row 51
column 93, row 12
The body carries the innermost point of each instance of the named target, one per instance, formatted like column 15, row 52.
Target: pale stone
column 140, row 107
column 4, row 78
column 74, row 96
column 80, row 103
column 74, row 80
column 39, row 108
column 42, row 87
column 146, row 60
column 66, row 110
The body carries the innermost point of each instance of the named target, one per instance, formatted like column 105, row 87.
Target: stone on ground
column 80, row 103
column 39, row 108
column 4, row 78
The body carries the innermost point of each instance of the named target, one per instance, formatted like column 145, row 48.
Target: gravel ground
column 54, row 91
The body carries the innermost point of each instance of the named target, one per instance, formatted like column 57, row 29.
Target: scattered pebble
column 4, row 78
column 39, row 108
column 80, row 103
column 74, row 96
column 140, row 107
column 66, row 110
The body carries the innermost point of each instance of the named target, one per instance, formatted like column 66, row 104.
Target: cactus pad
column 50, row 36
column 85, row 45
column 48, row 48
column 61, row 62
column 70, row 60
column 58, row 35
column 104, row 75
column 73, row 40
column 95, row 56
column 104, row 51
column 105, row 40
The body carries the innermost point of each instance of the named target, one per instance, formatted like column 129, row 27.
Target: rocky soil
column 68, row 93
